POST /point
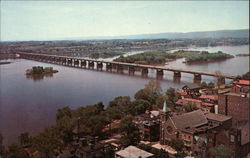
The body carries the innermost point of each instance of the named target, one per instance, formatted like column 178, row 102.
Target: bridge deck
column 143, row 66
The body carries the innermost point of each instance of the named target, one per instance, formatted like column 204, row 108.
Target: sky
column 48, row 20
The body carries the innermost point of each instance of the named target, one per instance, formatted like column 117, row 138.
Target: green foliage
column 151, row 57
column 15, row 152
column 172, row 96
column 24, row 139
column 39, row 70
column 120, row 101
column 131, row 134
column 210, row 85
column 150, row 93
column 221, row 151
column 140, row 106
column 177, row 144
column 47, row 141
column 104, row 55
column 189, row 107
column 203, row 85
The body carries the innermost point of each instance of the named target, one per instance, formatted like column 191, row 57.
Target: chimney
column 216, row 109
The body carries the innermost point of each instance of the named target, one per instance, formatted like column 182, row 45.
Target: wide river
column 27, row 105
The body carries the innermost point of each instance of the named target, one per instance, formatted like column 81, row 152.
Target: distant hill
column 203, row 34
column 244, row 33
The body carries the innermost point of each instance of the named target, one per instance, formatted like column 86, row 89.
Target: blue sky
column 48, row 20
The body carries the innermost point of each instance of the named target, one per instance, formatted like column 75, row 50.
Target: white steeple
column 165, row 108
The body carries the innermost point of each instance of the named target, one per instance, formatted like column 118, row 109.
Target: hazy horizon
column 46, row 20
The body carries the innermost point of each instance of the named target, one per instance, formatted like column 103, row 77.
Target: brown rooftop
column 189, row 120
column 217, row 117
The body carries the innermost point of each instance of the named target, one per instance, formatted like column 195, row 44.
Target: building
column 192, row 89
column 199, row 131
column 149, row 125
column 133, row 152
column 236, row 103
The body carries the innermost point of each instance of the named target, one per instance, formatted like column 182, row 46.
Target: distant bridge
column 120, row 66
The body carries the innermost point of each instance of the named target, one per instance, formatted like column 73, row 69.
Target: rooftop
column 242, row 82
column 212, row 97
column 189, row 120
column 133, row 152
column 217, row 117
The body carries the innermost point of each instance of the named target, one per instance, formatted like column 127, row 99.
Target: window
column 232, row 138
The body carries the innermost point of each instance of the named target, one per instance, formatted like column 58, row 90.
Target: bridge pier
column 64, row 61
column 91, row 64
column 109, row 67
column 197, row 76
column 119, row 69
column 197, row 79
column 83, row 63
column 177, row 74
column 131, row 70
column 144, row 72
column 99, row 66
column 76, row 62
column 159, row 74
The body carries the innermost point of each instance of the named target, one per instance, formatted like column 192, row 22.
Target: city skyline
column 46, row 20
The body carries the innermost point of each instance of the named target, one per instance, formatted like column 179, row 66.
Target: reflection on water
column 38, row 77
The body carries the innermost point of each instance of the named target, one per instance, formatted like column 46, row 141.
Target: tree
column 154, row 87
column 151, row 91
column 143, row 94
column 120, row 101
column 160, row 101
column 221, row 151
column 24, row 139
column 1, row 144
column 140, row 106
column 246, row 76
column 130, row 133
column 177, row 144
column 61, row 113
column 47, row 141
column 210, row 85
column 15, row 152
column 203, row 85
column 172, row 95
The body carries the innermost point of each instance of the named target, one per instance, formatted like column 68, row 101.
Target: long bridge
column 120, row 66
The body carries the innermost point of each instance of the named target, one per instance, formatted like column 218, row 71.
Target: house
column 192, row 89
column 133, row 152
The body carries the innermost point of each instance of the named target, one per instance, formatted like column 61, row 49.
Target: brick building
column 236, row 103
column 200, row 131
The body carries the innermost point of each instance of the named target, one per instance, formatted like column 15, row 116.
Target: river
column 27, row 105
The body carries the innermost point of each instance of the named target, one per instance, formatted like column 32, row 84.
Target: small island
column 39, row 70
column 161, row 57
column 5, row 62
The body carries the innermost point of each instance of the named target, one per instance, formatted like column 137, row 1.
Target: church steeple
column 165, row 108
